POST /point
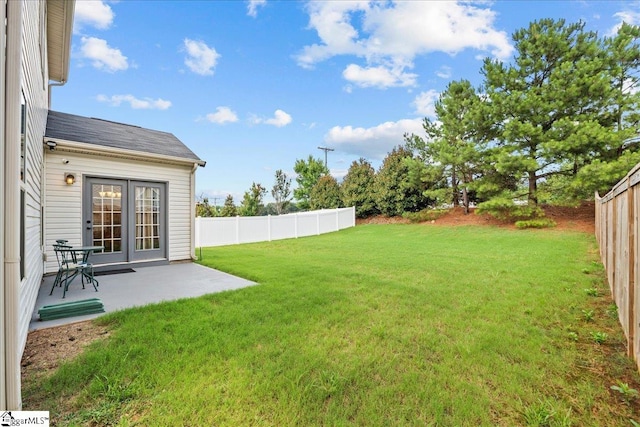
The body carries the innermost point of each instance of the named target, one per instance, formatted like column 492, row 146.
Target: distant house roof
column 104, row 133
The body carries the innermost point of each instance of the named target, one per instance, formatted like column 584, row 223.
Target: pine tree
column 456, row 139
column 229, row 207
column 545, row 100
column 252, row 201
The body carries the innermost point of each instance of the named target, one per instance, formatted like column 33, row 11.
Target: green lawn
column 375, row 325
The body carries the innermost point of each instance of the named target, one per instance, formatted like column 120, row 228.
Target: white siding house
column 34, row 41
column 147, row 175
column 118, row 171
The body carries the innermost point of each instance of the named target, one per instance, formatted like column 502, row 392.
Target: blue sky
column 251, row 86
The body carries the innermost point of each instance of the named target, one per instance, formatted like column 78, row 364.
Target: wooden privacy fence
column 617, row 232
column 248, row 229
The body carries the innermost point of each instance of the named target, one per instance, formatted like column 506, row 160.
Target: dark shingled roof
column 115, row 135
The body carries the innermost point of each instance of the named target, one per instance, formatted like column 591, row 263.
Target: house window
column 22, row 234
column 23, row 136
column 23, row 157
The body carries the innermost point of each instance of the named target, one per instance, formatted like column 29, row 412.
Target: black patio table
column 75, row 260
column 85, row 251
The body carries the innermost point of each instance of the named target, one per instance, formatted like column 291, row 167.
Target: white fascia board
column 84, row 148
column 67, row 31
column 61, row 30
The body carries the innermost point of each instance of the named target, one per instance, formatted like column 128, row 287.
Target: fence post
column 337, row 219
column 237, row 229
column 318, row 222
column 296, row 225
column 269, row 227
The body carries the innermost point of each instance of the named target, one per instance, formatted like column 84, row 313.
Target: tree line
column 554, row 125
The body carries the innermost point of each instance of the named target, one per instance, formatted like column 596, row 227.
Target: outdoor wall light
column 69, row 178
column 51, row 144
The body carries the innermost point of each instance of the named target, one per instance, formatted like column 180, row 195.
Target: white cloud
column 103, row 56
column 279, row 119
column 222, row 115
column 444, row 72
column 380, row 76
column 135, row 103
column 201, row 59
column 628, row 16
column 338, row 174
column 425, row 103
column 97, row 14
column 374, row 142
column 630, row 86
column 427, row 26
column 253, row 5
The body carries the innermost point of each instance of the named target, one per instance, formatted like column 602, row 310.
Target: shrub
column 395, row 192
column 536, row 223
column 505, row 209
column 424, row 215
column 358, row 188
column 325, row 194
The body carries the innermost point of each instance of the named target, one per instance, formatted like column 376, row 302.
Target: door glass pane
column 147, row 223
column 107, row 216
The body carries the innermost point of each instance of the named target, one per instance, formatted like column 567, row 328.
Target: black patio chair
column 69, row 268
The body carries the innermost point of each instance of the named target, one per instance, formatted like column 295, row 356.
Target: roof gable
column 109, row 134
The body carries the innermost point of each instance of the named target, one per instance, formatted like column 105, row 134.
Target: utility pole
column 325, row 149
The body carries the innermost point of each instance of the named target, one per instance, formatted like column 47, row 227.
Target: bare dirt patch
column 47, row 348
column 581, row 218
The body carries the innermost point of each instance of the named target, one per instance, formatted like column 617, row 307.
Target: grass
column 376, row 325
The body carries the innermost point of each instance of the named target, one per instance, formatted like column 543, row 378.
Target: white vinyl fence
column 249, row 229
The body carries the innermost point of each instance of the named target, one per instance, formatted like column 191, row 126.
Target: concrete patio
column 146, row 285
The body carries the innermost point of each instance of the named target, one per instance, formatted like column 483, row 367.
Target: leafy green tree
column 281, row 191
column 204, row 209
column 309, row 172
column 456, row 139
column 395, row 191
column 547, row 101
column 252, row 201
column 229, row 207
column 358, row 188
column 325, row 194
